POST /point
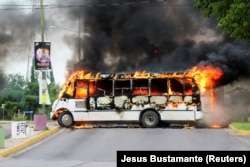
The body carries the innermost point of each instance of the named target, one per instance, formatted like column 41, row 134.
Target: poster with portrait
column 42, row 55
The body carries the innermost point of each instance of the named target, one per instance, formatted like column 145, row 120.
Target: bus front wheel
column 150, row 119
column 65, row 119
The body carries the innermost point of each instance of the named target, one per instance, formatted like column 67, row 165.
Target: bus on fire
column 146, row 99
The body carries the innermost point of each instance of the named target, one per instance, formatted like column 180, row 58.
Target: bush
column 19, row 117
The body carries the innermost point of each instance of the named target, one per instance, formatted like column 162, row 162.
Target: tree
column 12, row 93
column 16, row 93
column 14, row 81
column 31, row 97
column 233, row 16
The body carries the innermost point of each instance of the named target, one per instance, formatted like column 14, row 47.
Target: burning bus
column 146, row 99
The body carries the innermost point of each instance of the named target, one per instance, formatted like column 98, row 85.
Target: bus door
column 81, row 93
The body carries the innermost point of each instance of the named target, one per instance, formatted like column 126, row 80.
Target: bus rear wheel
column 150, row 119
column 65, row 119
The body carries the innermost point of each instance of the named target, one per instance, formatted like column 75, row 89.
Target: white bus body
column 146, row 101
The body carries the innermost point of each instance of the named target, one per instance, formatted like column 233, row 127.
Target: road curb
column 240, row 132
column 28, row 142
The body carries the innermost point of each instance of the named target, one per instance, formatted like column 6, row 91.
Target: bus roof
column 136, row 75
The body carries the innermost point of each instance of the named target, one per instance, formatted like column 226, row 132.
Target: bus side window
column 104, row 87
column 175, row 87
column 122, row 87
column 140, row 87
column 188, row 86
column 159, row 87
column 81, row 90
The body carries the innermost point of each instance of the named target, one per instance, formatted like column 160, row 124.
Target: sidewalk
column 13, row 145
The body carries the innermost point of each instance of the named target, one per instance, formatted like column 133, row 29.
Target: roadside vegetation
column 232, row 16
column 241, row 125
column 17, row 93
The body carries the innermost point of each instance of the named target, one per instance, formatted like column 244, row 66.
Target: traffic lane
column 101, row 144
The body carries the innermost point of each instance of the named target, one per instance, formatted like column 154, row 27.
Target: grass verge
column 241, row 125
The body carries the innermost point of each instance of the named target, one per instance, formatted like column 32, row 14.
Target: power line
column 128, row 3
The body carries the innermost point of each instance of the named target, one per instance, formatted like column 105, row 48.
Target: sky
column 62, row 30
column 17, row 45
column 117, row 36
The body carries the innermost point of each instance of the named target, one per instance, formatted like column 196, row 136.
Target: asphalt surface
column 13, row 145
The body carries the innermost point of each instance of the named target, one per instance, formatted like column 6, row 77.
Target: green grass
column 241, row 125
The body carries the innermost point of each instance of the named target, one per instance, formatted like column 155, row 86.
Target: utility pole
column 43, row 71
column 79, row 36
column 42, row 20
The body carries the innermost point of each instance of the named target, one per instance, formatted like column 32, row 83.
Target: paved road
column 98, row 146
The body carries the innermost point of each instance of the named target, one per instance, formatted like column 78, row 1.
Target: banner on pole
column 42, row 55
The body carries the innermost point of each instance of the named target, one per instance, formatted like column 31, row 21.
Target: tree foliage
column 17, row 93
column 14, row 81
column 233, row 16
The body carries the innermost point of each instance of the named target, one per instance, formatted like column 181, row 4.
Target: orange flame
column 143, row 74
column 81, row 125
column 216, row 125
column 140, row 92
column 169, row 89
column 68, row 88
column 205, row 76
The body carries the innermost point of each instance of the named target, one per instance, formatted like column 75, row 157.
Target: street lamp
column 67, row 29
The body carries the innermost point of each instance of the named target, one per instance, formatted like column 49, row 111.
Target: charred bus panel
column 147, row 99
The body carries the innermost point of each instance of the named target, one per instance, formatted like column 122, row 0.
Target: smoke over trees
column 121, row 36
column 233, row 16
column 122, row 39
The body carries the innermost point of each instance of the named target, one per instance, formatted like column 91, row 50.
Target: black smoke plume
column 122, row 38
column 20, row 27
column 16, row 35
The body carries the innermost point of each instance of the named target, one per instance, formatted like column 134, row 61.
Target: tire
column 150, row 119
column 65, row 119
